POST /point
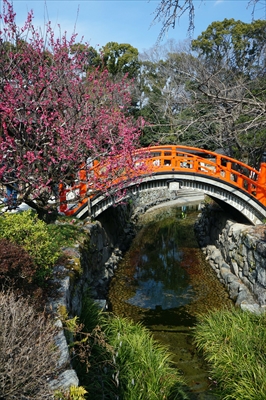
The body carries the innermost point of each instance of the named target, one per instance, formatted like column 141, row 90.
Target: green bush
column 234, row 344
column 32, row 234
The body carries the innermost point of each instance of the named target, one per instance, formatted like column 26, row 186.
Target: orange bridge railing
column 174, row 159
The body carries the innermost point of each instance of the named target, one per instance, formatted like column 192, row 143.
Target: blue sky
column 127, row 21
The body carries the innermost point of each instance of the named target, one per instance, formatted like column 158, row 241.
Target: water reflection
column 161, row 280
column 164, row 282
column 152, row 294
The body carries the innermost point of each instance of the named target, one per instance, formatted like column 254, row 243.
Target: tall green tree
column 120, row 59
column 210, row 101
column 234, row 45
column 163, row 92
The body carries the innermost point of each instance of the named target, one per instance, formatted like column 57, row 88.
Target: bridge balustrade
column 172, row 159
column 212, row 164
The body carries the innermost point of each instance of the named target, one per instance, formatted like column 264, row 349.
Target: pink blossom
column 55, row 114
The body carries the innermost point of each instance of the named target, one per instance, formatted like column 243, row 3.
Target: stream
column 164, row 282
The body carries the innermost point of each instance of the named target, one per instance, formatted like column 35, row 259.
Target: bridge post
column 261, row 193
column 62, row 198
column 262, row 174
column 83, row 183
column 228, row 171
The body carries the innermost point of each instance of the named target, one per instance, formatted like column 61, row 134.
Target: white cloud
column 218, row 2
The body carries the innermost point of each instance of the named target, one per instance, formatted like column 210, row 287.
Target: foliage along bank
column 103, row 359
column 234, row 344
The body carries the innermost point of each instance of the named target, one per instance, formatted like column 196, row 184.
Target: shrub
column 16, row 265
column 32, row 234
column 74, row 393
column 28, row 356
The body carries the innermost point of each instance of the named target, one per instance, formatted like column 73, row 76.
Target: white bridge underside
column 240, row 200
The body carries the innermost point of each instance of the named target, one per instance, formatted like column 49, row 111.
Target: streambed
column 164, row 282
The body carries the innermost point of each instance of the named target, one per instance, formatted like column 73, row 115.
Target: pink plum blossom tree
column 56, row 111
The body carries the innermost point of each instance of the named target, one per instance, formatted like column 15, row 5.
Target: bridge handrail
column 185, row 159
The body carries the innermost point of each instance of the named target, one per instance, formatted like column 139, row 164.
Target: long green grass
column 144, row 369
column 120, row 360
column 234, row 344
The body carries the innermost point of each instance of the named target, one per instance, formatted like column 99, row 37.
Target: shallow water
column 164, row 282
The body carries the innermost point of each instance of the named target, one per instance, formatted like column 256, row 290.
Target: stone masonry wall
column 91, row 265
column 237, row 253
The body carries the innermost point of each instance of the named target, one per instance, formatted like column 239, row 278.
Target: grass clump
column 118, row 359
column 143, row 366
column 234, row 344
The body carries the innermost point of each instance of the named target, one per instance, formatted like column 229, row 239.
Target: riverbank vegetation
column 144, row 366
column 115, row 358
column 234, row 344
column 30, row 248
column 113, row 355
column 28, row 357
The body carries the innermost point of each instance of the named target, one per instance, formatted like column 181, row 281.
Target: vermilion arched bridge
column 225, row 179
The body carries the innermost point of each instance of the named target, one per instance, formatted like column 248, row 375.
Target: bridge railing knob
column 263, row 157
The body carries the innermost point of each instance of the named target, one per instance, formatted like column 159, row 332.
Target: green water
column 164, row 282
